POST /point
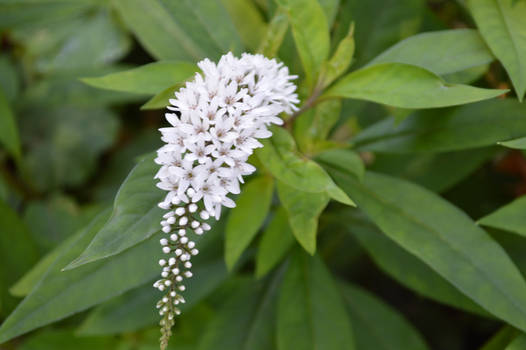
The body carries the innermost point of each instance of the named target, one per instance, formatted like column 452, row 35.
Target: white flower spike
column 217, row 121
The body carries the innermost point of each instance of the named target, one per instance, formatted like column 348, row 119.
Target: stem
column 310, row 102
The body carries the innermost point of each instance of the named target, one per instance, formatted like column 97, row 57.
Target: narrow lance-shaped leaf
column 502, row 25
column 246, row 218
column 403, row 266
column 311, row 312
column 311, row 34
column 405, row 86
column 518, row 343
column 441, row 52
column 439, row 130
column 135, row 215
column 340, row 60
column 376, row 325
column 509, row 217
column 519, row 143
column 444, row 238
column 275, row 241
column 303, row 209
column 273, row 38
column 148, row 79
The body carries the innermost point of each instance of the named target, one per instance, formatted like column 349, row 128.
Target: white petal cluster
column 216, row 121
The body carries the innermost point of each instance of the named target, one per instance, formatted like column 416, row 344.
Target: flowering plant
column 320, row 174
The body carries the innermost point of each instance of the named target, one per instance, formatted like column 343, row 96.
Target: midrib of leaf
column 205, row 27
column 515, row 48
column 194, row 50
column 448, row 244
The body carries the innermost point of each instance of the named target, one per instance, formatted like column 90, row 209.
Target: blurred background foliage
column 68, row 146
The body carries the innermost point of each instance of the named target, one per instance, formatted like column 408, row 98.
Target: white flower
column 216, row 121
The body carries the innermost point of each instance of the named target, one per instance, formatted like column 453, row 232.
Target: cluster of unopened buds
column 215, row 120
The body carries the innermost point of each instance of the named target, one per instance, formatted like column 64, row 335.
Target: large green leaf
column 303, row 209
column 405, row 86
column 509, row 217
column 135, row 216
column 246, row 218
column 276, row 240
column 148, row 79
column 8, row 129
column 460, row 128
column 340, row 61
column 60, row 294
column 403, row 266
column 311, row 34
column 442, row 52
column 311, row 311
column 280, row 156
column 17, row 254
column 245, row 321
column 444, row 238
column 376, row 325
column 65, row 339
column 502, row 25
column 273, row 38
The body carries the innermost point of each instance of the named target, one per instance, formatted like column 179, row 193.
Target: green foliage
column 365, row 198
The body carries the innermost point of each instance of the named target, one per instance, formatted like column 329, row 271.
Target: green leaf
column 403, row 266
column 311, row 34
column 340, row 60
column 8, row 129
column 60, row 294
column 134, row 310
column 248, row 20
column 280, row 157
column 438, row 171
column 303, row 209
column 148, row 79
column 246, row 320
column 509, row 217
column 246, row 218
column 311, row 311
column 273, row 38
column 10, row 83
column 502, row 26
column 444, row 238
column 135, row 216
column 405, row 86
column 330, row 8
column 376, row 325
column 276, row 240
column 17, row 254
column 518, row 343
column 345, row 159
column 519, row 143
column 441, row 52
column 162, row 99
column 460, row 128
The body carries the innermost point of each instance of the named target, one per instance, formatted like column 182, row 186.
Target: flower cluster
column 216, row 121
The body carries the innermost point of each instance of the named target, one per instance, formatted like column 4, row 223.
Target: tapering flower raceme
column 216, row 121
